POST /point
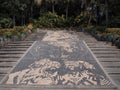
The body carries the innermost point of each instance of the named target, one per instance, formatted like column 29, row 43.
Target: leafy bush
column 6, row 23
column 81, row 20
column 69, row 22
column 35, row 23
column 30, row 26
column 16, row 31
column 6, row 32
column 2, row 31
column 51, row 20
column 90, row 29
column 115, row 22
column 113, row 30
column 19, row 29
column 100, row 29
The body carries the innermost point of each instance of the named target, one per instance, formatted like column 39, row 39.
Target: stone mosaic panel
column 59, row 59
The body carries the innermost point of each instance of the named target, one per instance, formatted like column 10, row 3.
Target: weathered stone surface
column 59, row 59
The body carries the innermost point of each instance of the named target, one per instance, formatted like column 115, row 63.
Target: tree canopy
column 89, row 12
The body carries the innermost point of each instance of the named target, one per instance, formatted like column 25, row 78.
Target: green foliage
column 30, row 26
column 69, row 22
column 81, row 20
column 2, row 32
column 19, row 29
column 90, row 29
column 16, row 31
column 100, row 29
column 51, row 20
column 96, row 29
column 6, row 23
column 94, row 12
column 115, row 22
column 115, row 31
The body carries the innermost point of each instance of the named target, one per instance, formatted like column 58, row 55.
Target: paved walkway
column 61, row 59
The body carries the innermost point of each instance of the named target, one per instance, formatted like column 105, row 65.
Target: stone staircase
column 108, row 57
column 10, row 55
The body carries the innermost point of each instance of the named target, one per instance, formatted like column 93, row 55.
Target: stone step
column 103, row 46
column 5, row 70
column 115, row 76
column 113, row 70
column 13, row 49
column 9, row 59
column 98, row 43
column 11, row 52
column 28, row 87
column 111, row 64
column 89, row 41
column 11, row 56
column 21, row 44
column 7, row 64
column 107, row 55
column 16, row 47
column 25, row 42
column 109, row 59
column 104, row 49
column 106, row 52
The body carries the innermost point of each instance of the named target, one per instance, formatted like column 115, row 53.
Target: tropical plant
column 51, row 20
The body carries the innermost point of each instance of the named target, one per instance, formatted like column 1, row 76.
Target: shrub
column 30, row 26
column 1, row 32
column 8, row 32
column 69, row 22
column 51, row 20
column 100, row 29
column 113, row 30
column 6, row 23
column 81, row 20
column 19, row 29
column 115, row 22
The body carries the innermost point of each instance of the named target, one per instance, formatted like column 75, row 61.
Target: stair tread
column 110, row 63
column 109, row 59
column 7, row 64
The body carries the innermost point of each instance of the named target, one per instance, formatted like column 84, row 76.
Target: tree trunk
column 53, row 7
column 14, row 23
column 98, row 16
column 31, row 11
column 90, row 18
column 31, row 8
column 106, row 4
column 23, row 19
column 67, row 8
